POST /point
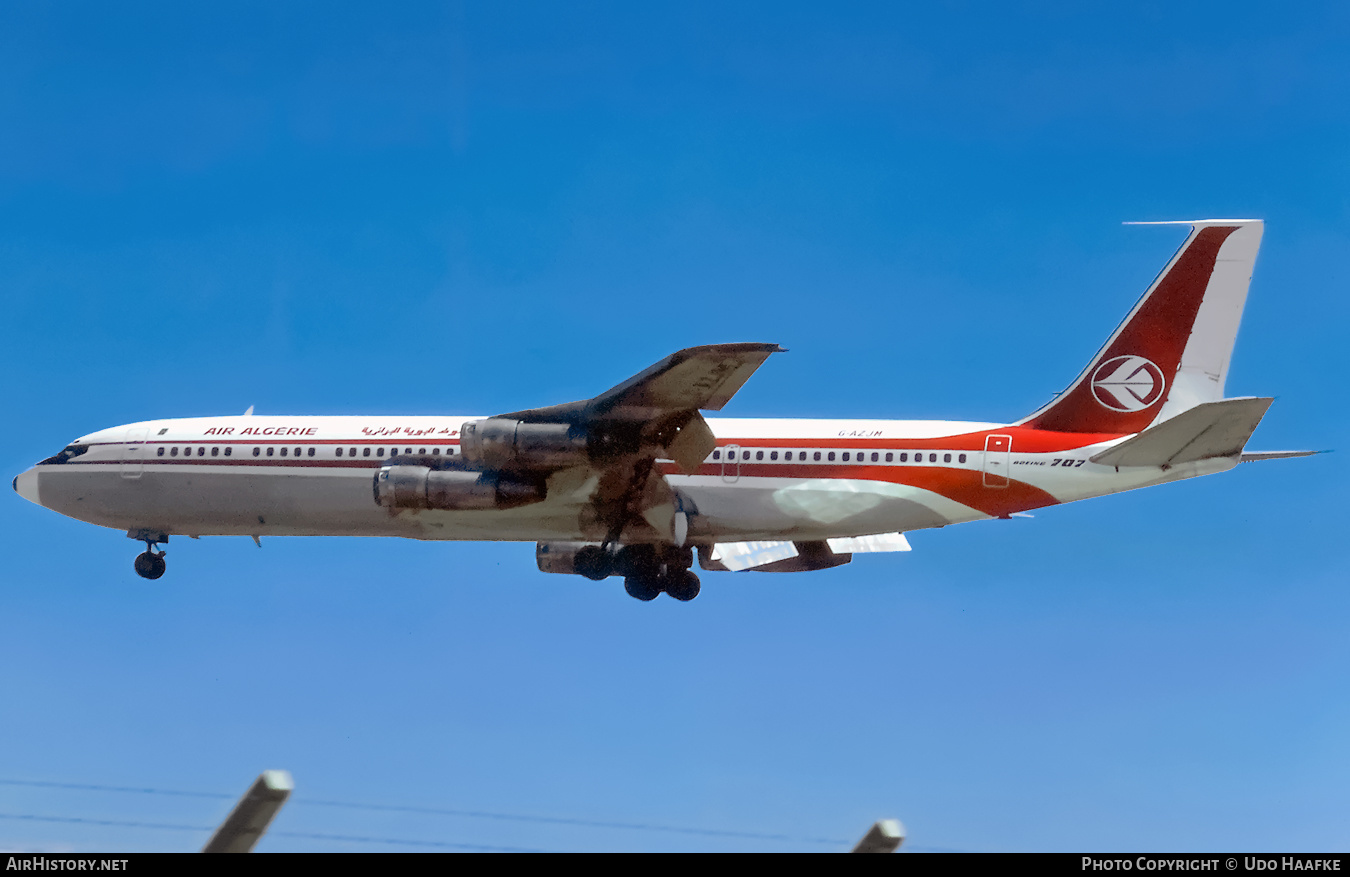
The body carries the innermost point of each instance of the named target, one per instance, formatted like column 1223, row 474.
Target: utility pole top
column 883, row 837
column 240, row 831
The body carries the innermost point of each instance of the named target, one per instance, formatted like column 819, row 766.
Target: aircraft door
column 997, row 460
column 133, row 453
column 731, row 463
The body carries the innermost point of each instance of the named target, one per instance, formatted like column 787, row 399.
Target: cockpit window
column 69, row 452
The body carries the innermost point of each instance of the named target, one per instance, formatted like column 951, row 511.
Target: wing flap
column 692, row 444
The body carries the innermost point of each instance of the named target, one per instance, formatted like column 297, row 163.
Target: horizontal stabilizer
column 737, row 556
column 797, row 556
column 869, row 544
column 1210, row 429
column 1258, row 456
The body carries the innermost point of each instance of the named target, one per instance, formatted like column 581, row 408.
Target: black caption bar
column 935, row 863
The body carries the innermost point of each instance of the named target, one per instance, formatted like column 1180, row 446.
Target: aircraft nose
column 26, row 485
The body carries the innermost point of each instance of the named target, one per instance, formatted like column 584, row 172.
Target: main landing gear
column 647, row 570
column 150, row 563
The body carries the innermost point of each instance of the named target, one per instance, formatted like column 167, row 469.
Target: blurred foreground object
column 240, row 831
column 883, row 837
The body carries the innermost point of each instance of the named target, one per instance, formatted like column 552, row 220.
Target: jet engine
column 421, row 487
column 560, row 557
column 498, row 443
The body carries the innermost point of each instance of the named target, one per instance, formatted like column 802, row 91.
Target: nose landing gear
column 150, row 563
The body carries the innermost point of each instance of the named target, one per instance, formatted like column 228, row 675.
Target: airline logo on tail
column 1177, row 338
column 1128, row 383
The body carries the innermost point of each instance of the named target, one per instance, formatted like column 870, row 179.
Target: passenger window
column 311, row 452
column 351, row 452
column 257, row 451
column 831, row 457
column 270, row 451
column 419, row 450
column 890, row 457
column 227, row 451
column 283, row 452
column 365, row 452
column 297, row 452
column 773, row 455
column 759, row 455
column 932, row 458
column 407, row 451
column 435, row 452
column 215, row 452
column 817, row 456
column 173, row 452
column 946, row 458
column 802, row 456
column 339, row 452
column 379, row 452
column 845, row 456
column 160, row 453
column 904, row 458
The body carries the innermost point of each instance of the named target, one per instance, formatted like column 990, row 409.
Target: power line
column 565, row 820
column 444, row 811
column 412, row 843
column 90, row 787
column 117, row 823
column 350, row 838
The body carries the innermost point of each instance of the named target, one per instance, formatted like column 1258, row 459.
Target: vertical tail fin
column 1171, row 353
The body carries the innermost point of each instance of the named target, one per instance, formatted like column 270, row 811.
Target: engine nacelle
column 559, row 557
column 499, row 443
column 420, row 487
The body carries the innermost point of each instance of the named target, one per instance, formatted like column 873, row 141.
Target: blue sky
column 331, row 209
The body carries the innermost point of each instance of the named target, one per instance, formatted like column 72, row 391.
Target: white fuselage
column 770, row 479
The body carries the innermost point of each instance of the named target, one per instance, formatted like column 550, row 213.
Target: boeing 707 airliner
column 636, row 482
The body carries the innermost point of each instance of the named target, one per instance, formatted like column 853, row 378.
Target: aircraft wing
column 658, row 407
column 603, row 451
column 688, row 380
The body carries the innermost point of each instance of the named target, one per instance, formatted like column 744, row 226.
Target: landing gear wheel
column 150, row 565
column 682, row 585
column 642, row 588
column 594, row 562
